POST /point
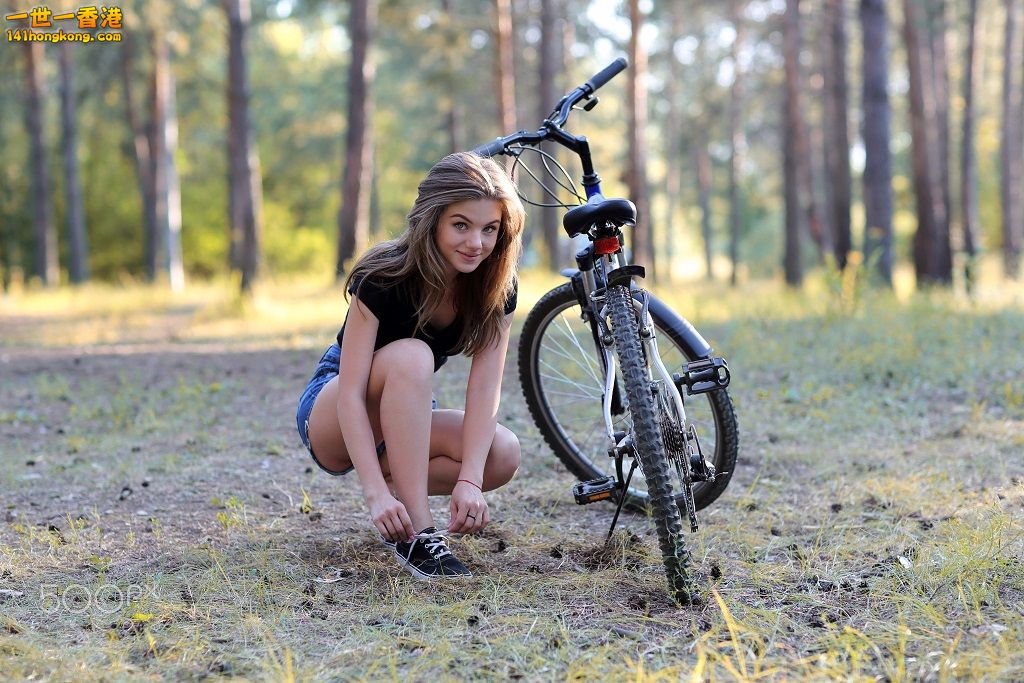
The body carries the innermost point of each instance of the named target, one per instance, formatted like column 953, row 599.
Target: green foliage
column 428, row 61
column 293, row 249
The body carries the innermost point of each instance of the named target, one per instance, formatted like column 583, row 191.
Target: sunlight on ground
column 302, row 312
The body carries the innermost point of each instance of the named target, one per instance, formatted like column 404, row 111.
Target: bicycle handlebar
column 606, row 74
column 558, row 115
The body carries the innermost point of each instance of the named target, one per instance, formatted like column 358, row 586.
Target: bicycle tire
column 584, row 454
column 647, row 439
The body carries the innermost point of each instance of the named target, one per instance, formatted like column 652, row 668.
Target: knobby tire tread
column 649, row 445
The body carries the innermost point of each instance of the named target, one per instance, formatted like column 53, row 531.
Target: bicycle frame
column 594, row 281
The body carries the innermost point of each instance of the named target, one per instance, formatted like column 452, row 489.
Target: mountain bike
column 609, row 372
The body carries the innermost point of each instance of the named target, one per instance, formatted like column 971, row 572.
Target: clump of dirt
column 623, row 550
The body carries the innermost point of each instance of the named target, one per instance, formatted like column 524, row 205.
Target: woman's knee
column 410, row 360
column 505, row 456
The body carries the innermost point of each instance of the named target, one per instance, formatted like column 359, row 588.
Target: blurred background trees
column 761, row 138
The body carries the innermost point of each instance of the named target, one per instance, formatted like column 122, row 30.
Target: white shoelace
column 436, row 544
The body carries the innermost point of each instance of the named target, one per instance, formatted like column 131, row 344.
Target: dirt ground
column 162, row 521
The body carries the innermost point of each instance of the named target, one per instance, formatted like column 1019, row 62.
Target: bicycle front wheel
column 647, row 439
column 563, row 381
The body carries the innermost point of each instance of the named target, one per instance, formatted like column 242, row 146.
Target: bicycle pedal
column 586, row 492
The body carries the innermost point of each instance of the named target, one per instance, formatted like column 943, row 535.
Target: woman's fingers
column 405, row 524
column 458, row 524
column 476, row 519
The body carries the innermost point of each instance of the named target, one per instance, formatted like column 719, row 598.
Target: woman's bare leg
column 406, row 423
column 399, row 388
column 446, row 455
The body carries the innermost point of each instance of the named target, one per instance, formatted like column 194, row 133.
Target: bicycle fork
column 620, row 442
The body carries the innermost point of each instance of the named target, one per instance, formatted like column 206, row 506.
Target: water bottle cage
column 702, row 376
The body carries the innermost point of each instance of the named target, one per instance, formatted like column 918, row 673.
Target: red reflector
column 606, row 245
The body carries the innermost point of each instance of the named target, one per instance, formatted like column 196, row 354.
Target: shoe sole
column 422, row 576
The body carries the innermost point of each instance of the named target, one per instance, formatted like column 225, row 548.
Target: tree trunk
column 78, row 251
column 46, row 265
column 877, row 180
column 173, row 263
column 705, row 174
column 643, row 239
column 453, row 110
column 1010, row 154
column 143, row 161
column 943, row 252
column 506, row 68
column 353, row 216
column 157, row 130
column 243, row 158
column 547, row 63
column 836, row 109
column 737, row 143
column 925, row 147
column 968, row 158
column 792, row 263
column 673, row 140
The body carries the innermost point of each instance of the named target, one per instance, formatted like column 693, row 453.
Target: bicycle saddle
column 578, row 220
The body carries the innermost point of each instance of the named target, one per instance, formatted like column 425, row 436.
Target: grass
column 161, row 521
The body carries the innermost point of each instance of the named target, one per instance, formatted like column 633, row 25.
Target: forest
column 757, row 137
column 830, row 205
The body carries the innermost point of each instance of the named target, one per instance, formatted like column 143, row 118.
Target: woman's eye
column 490, row 229
column 461, row 226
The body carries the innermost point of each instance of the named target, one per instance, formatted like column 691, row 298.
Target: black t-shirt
column 393, row 306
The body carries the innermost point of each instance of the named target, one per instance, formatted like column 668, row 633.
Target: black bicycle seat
column 578, row 220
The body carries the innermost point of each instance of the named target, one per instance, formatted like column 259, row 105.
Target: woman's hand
column 468, row 509
column 390, row 517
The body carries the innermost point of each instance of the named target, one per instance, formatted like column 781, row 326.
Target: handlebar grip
column 489, row 149
column 606, row 74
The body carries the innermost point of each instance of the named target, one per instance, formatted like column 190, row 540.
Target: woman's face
column 467, row 232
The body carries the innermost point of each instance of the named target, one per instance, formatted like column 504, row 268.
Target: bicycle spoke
column 565, row 380
column 575, row 357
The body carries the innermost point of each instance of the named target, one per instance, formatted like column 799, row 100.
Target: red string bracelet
column 470, row 482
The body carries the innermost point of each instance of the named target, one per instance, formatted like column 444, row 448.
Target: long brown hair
column 413, row 260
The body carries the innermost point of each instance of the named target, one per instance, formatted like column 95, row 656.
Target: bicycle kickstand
column 622, row 493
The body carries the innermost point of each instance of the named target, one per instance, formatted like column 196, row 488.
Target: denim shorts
column 326, row 370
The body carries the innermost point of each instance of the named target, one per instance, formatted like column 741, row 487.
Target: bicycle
column 576, row 336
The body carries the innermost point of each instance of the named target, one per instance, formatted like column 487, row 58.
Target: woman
column 446, row 285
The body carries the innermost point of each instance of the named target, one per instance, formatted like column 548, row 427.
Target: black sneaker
column 428, row 556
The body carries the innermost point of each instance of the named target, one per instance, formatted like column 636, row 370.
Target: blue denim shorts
column 326, row 370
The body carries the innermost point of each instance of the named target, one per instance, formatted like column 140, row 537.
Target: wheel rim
column 569, row 379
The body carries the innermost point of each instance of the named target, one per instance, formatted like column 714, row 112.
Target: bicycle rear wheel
column 562, row 379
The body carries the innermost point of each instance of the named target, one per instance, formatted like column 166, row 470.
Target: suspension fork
column 649, row 341
column 650, row 344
